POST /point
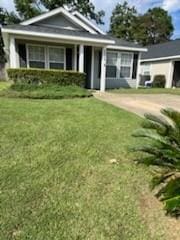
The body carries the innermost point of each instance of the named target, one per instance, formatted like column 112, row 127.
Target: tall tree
column 154, row 27
column 122, row 23
column 5, row 18
column 31, row 8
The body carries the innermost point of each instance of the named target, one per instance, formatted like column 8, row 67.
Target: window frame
column 46, row 51
column 112, row 65
column 118, row 65
column 27, row 54
column 48, row 60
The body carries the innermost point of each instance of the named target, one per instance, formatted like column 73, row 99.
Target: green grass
column 44, row 91
column 4, row 85
column 175, row 91
column 56, row 179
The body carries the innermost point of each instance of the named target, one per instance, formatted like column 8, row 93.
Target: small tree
column 162, row 149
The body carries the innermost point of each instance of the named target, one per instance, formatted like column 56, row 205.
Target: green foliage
column 159, row 81
column 43, row 76
column 162, row 148
column 31, row 8
column 155, row 26
column 47, row 91
column 123, row 21
column 5, row 18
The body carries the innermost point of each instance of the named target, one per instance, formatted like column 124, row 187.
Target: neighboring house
column 61, row 39
column 163, row 59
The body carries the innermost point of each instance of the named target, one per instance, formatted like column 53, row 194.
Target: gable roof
column 79, row 15
column 163, row 51
column 66, row 13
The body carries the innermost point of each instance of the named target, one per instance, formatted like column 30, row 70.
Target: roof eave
column 58, row 36
column 115, row 47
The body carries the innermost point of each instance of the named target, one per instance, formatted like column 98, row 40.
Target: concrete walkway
column 141, row 103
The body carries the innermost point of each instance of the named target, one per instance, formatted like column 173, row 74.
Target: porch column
column 103, row 70
column 138, row 79
column 92, row 68
column 12, row 52
column 75, row 57
column 81, row 58
column 169, row 79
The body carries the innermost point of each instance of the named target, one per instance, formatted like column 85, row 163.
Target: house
column 163, row 59
column 61, row 39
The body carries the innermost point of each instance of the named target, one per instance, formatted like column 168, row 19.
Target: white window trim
column 48, row 60
column 118, row 65
column 46, row 49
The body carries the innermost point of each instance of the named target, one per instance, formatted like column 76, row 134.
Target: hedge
column 43, row 76
column 159, row 81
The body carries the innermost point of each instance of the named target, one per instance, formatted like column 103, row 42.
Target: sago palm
column 162, row 149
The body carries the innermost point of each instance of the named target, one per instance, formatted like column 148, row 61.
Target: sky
column 172, row 6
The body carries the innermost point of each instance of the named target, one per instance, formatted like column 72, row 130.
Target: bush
column 159, row 81
column 45, row 91
column 43, row 76
column 162, row 149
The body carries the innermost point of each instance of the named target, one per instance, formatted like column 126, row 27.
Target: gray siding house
column 61, row 39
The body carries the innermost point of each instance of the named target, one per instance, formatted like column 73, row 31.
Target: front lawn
column 58, row 180
column 175, row 91
column 43, row 91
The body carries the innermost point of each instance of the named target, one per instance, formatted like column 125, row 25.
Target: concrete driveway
column 141, row 103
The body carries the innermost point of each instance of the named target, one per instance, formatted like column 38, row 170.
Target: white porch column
column 81, row 58
column 12, row 52
column 75, row 57
column 92, row 68
column 169, row 79
column 138, row 71
column 103, row 70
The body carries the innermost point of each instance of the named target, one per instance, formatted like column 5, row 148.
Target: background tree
column 154, row 27
column 30, row 8
column 5, row 18
column 122, row 23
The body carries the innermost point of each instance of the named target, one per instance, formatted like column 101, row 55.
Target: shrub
column 43, row 76
column 159, row 81
column 45, row 91
column 163, row 151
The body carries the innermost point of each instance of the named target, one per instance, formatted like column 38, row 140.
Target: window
column 146, row 69
column 119, row 65
column 111, row 65
column 36, row 56
column 126, row 65
column 56, row 58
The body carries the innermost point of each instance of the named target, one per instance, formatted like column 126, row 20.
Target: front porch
column 34, row 53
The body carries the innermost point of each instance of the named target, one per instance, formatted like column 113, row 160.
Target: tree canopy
column 30, row 8
column 123, row 21
column 155, row 26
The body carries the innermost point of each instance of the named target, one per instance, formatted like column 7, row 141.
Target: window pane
column 111, row 58
column 56, row 65
column 56, row 55
column 126, row 59
column 36, row 53
column 35, row 64
column 111, row 71
column 125, row 72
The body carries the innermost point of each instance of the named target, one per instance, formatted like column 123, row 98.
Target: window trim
column 46, row 51
column 118, row 64
column 48, row 60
